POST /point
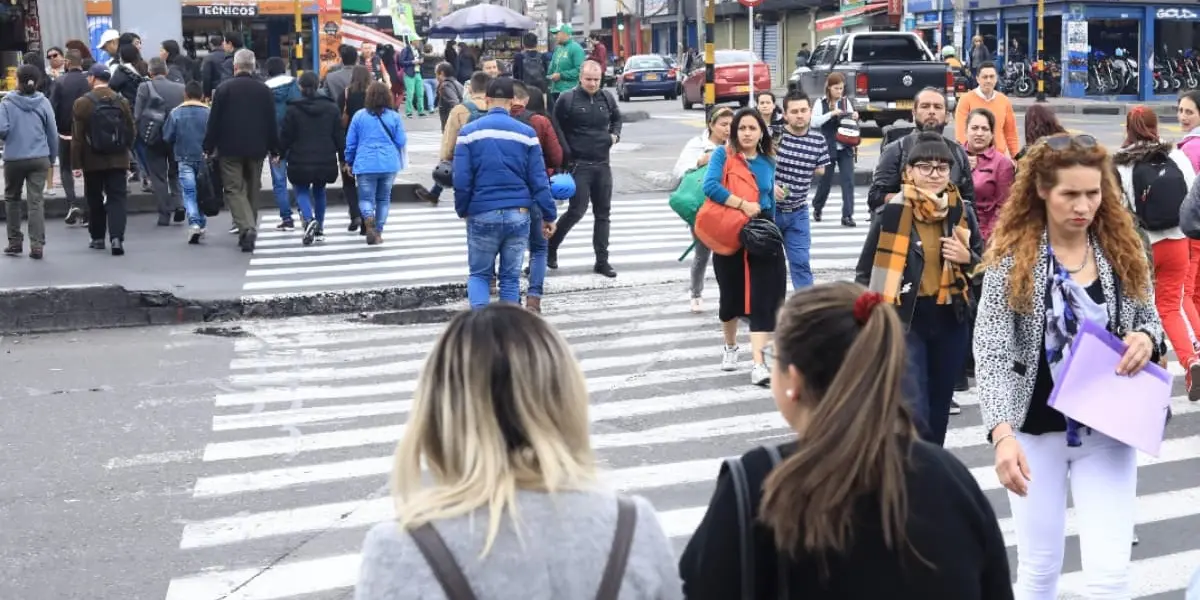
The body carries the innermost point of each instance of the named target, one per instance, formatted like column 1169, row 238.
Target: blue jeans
column 937, row 346
column 375, row 196
column 539, row 246
column 503, row 233
column 430, row 91
column 187, row 187
column 311, row 198
column 843, row 164
column 797, row 244
column 279, row 185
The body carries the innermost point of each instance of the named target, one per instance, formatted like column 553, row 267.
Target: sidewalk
column 1086, row 106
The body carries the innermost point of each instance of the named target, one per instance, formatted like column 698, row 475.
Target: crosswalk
column 303, row 431
column 426, row 246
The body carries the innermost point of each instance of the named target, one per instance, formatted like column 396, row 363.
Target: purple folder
column 1132, row 409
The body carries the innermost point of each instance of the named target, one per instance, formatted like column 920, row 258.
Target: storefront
column 937, row 29
column 864, row 17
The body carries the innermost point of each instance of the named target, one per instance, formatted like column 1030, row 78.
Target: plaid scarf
column 895, row 236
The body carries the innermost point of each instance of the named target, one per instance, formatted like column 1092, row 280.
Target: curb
column 1165, row 112
column 634, row 116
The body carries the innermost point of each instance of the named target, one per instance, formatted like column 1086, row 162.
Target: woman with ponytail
column 312, row 141
column 857, row 506
column 30, row 137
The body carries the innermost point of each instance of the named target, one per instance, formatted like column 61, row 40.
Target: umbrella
column 481, row 20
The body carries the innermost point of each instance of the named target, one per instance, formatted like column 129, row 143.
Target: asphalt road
column 160, row 463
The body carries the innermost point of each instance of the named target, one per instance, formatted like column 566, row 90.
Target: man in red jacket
column 553, row 154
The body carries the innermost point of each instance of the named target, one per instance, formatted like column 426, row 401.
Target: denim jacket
column 184, row 130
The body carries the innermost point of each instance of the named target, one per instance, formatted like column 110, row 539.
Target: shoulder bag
column 456, row 587
column 718, row 226
column 745, row 508
column 848, row 132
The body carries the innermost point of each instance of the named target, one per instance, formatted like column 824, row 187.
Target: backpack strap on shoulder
column 442, row 562
column 618, row 557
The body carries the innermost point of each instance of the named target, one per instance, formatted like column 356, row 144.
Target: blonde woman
column 499, row 419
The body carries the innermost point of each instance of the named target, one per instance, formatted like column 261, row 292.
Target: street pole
column 751, row 52
column 680, row 29
column 710, row 26
column 299, row 14
column 1041, row 65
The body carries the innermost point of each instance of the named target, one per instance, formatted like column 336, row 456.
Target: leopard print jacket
column 1007, row 343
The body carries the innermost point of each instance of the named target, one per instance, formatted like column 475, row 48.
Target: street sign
column 750, row 3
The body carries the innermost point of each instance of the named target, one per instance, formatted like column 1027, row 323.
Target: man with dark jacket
column 337, row 79
column 591, row 125
column 100, row 162
column 242, row 131
column 929, row 113
column 218, row 65
column 71, row 86
column 160, row 95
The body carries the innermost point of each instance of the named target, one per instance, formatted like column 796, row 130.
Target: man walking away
column 801, row 154
column 591, row 124
column 30, row 139
column 184, row 131
column 242, row 132
column 530, row 112
column 337, row 79
column 499, row 173
column 414, row 90
column 530, row 66
column 284, row 89
column 103, row 132
column 72, row 86
column 566, row 62
column 212, row 68
column 470, row 109
column 156, row 99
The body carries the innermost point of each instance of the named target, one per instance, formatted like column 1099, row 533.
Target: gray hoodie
column 27, row 127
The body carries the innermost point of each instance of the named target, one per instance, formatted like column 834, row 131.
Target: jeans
column 414, row 95
column 503, row 233
column 1171, row 262
column 30, row 173
column 311, row 199
column 593, row 185
column 797, row 244
column 843, row 163
column 1102, row 475
column 937, row 345
column 279, row 185
column 430, row 93
column 538, row 248
column 375, row 196
column 187, row 185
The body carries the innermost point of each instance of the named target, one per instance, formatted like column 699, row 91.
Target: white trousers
column 1102, row 474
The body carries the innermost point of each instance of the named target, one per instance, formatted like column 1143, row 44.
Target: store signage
column 1176, row 14
column 220, row 10
column 331, row 28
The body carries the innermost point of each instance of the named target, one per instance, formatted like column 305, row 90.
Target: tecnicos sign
column 220, row 10
column 1176, row 14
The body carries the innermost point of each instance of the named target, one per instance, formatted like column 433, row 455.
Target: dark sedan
column 648, row 75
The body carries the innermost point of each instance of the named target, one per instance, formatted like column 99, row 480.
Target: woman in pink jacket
column 991, row 170
column 1189, row 120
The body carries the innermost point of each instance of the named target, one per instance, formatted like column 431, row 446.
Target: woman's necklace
column 1086, row 257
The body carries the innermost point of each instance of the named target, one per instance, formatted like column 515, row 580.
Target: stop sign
column 750, row 3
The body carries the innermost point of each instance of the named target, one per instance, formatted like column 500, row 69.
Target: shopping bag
column 689, row 195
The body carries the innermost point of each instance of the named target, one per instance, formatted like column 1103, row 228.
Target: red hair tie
column 866, row 302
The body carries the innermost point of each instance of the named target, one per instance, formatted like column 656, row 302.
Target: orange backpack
column 719, row 227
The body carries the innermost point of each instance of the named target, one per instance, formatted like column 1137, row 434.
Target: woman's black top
column 1041, row 418
column 950, row 523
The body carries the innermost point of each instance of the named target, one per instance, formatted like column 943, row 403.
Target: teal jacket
column 567, row 60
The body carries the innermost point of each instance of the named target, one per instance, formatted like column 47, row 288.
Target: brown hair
column 859, row 434
column 360, row 79
column 1018, row 232
column 81, row 47
column 1041, row 122
column 834, row 79
column 1141, row 125
column 379, row 98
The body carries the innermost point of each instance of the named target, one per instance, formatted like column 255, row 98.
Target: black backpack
column 533, row 70
column 153, row 119
column 1158, row 191
column 107, row 133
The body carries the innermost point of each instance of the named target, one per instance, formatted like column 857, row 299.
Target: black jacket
column 889, row 169
column 241, row 123
column 126, row 81
column 588, row 122
column 312, row 140
column 215, row 68
column 70, row 87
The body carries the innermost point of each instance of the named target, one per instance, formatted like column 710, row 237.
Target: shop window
column 1177, row 55
column 1113, row 62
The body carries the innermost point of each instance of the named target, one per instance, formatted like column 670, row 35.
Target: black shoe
column 552, row 259
column 247, row 240
column 848, row 222
column 817, row 215
column 180, row 215
column 605, row 269
column 355, row 225
column 310, row 233
column 74, row 216
column 118, row 247
column 96, row 245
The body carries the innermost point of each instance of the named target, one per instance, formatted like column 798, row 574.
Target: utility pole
column 710, row 90
column 586, row 6
column 680, row 29
column 1041, row 65
column 298, row 9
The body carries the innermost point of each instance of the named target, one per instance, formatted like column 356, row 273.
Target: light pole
column 710, row 25
column 298, row 9
column 1041, row 58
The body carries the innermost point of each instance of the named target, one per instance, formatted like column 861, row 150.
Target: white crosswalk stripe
column 302, row 436
column 427, row 246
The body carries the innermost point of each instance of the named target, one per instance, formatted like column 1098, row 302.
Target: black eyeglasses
column 928, row 169
column 52, row 56
column 1060, row 142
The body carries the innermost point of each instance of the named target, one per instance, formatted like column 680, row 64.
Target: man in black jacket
column 241, row 132
column 218, row 65
column 591, row 125
column 69, row 87
column 929, row 113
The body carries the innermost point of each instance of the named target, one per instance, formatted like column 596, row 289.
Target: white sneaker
column 697, row 305
column 760, row 375
column 730, row 359
column 194, row 234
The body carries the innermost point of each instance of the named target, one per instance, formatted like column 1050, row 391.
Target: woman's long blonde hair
column 1018, row 232
column 501, row 405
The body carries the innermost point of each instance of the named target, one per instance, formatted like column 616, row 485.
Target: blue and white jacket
column 498, row 164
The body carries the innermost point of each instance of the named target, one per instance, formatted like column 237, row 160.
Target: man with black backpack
column 102, row 133
column 529, row 66
column 156, row 98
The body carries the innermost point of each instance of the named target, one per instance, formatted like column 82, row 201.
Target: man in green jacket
column 565, row 64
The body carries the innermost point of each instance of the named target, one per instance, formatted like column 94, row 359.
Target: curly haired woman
column 1065, row 249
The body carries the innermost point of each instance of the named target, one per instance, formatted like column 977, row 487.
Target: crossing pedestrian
column 530, row 108
column 184, row 131
column 566, row 64
column 992, row 173
column 499, row 175
column 156, row 98
column 312, row 141
column 375, row 152
column 467, row 109
column 861, row 507
column 590, row 121
column 217, row 66
column 752, row 284
column 500, row 418
column 353, row 101
column 1063, row 239
column 338, row 77
column 1040, row 122
column 30, row 136
column 103, row 126
column 802, row 154
column 827, row 116
column 772, row 113
column 284, row 89
column 409, row 59
column 695, row 155
column 71, row 86
column 986, row 96
column 917, row 254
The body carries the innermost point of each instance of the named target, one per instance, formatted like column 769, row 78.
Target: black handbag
column 210, row 192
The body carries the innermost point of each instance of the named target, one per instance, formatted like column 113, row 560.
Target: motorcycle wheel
column 1191, row 82
column 1024, row 88
column 1176, row 83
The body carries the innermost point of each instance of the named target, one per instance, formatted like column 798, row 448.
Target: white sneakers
column 697, row 305
column 759, row 375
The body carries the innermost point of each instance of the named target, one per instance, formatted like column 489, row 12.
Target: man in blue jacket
column 499, row 174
